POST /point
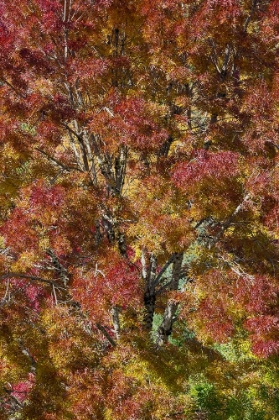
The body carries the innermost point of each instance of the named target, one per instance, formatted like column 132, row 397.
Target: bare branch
column 25, row 276
column 253, row 7
column 106, row 334
column 228, row 222
column 13, row 88
column 168, row 263
column 164, row 287
column 57, row 162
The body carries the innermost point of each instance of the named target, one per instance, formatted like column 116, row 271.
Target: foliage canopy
column 139, row 217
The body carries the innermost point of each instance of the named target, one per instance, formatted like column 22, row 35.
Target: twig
column 106, row 334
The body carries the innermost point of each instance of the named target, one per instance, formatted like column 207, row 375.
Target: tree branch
column 14, row 89
column 25, row 276
column 168, row 263
column 66, row 168
column 253, row 7
column 106, row 334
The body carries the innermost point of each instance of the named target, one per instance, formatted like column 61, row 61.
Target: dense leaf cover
column 139, row 194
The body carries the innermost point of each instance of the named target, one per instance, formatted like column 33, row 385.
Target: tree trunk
column 165, row 329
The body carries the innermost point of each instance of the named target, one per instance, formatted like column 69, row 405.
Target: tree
column 139, row 223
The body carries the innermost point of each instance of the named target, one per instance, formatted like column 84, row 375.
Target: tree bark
column 149, row 294
column 165, row 329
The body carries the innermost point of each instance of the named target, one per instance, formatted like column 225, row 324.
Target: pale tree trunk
column 165, row 329
column 115, row 320
column 155, row 282
column 149, row 276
